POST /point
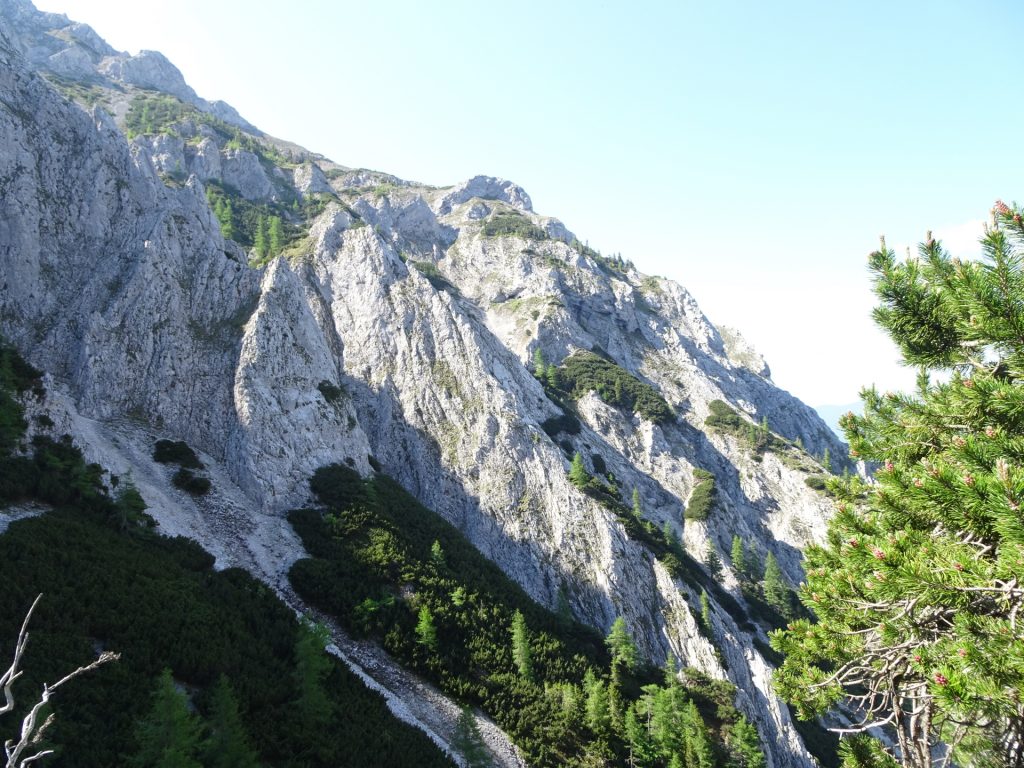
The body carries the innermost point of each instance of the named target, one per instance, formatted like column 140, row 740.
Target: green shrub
column 512, row 224
column 817, row 482
column 430, row 271
column 154, row 113
column 584, row 372
column 702, row 499
column 566, row 423
column 176, row 452
column 331, row 392
column 724, row 417
column 190, row 482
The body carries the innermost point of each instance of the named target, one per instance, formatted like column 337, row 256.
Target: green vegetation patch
column 392, row 570
column 512, row 224
column 584, row 372
column 176, row 452
column 191, row 483
column 430, row 271
column 110, row 583
column 758, row 437
column 702, row 497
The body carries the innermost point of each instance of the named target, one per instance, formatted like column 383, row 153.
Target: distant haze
column 754, row 152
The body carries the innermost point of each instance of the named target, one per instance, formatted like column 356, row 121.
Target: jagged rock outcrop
column 398, row 326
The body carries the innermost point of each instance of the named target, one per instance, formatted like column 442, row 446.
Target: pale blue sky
column 752, row 151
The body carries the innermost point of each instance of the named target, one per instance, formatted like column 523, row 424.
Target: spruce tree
column 539, row 366
column 917, row 590
column 521, row 646
column 170, row 735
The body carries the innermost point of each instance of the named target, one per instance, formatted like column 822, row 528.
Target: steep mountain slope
column 355, row 317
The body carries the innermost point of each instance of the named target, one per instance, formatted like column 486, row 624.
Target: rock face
column 398, row 328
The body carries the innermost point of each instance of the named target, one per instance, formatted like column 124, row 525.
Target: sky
column 752, row 151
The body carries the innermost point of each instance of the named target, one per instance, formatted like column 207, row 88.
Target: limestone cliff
column 396, row 325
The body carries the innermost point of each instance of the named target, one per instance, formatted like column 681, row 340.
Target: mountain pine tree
column 918, row 590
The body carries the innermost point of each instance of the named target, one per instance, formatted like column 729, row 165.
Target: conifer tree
column 554, row 377
column 621, row 645
column 521, row 646
column 713, row 562
column 437, row 554
column 705, row 611
column 918, row 590
column 227, row 222
column 260, row 243
column 578, row 474
column 738, row 557
column 426, row 632
column 699, row 752
column 539, row 366
column 744, row 746
column 170, row 735
column 275, row 237
column 776, row 593
column 228, row 745
column 311, row 668
column 469, row 742
column 638, row 511
column 597, row 711
column 562, row 609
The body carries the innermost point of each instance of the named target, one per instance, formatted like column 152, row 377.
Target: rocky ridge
column 398, row 325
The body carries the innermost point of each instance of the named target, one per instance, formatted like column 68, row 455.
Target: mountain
column 179, row 275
